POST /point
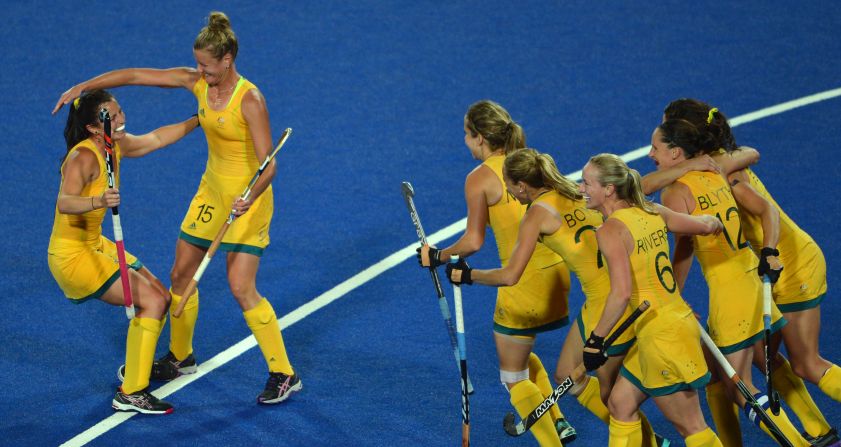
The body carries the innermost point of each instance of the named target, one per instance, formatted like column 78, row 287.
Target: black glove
column 461, row 267
column 765, row 268
column 432, row 260
column 594, row 352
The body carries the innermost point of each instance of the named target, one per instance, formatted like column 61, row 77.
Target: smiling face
column 594, row 192
column 661, row 154
column 213, row 70
column 118, row 120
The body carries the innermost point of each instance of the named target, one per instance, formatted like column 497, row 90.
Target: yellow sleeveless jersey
column 74, row 231
column 84, row 262
column 804, row 268
column 231, row 163
column 667, row 356
column 727, row 254
column 504, row 220
column 729, row 266
column 575, row 242
column 651, row 268
column 231, row 160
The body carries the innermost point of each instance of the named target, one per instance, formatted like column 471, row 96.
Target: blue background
column 375, row 93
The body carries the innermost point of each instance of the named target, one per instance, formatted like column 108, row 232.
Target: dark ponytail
column 681, row 133
column 83, row 111
column 702, row 116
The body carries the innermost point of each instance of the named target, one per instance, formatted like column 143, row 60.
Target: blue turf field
column 375, row 93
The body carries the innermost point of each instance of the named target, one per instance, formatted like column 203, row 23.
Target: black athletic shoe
column 661, row 441
column 186, row 366
column 161, row 372
column 279, row 387
column 141, row 401
column 566, row 432
column 830, row 439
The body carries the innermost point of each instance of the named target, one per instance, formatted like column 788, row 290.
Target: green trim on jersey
column 801, row 306
column 666, row 390
column 224, row 246
column 531, row 331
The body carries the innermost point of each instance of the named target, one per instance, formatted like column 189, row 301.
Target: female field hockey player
column 729, row 266
column 84, row 262
column 538, row 302
column 557, row 217
column 235, row 120
column 666, row 361
column 799, row 290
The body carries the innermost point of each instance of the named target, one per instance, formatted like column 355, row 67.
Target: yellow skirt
column 87, row 272
column 537, row 303
column 667, row 355
column 211, row 207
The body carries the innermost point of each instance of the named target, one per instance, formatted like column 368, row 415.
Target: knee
column 620, row 408
column 240, row 288
column 154, row 300
column 177, row 277
column 511, row 378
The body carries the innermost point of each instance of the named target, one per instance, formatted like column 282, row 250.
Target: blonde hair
column 493, row 122
column 217, row 37
column 538, row 171
column 626, row 181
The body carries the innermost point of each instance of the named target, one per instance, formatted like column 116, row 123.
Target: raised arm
column 657, row 180
column 171, row 77
column 737, row 160
column 139, row 145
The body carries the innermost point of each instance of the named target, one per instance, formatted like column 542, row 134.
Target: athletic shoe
column 161, row 371
column 279, row 387
column 830, row 439
column 661, row 441
column 566, row 432
column 186, row 366
column 141, row 401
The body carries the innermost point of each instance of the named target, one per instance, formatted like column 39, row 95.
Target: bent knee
column 620, row 408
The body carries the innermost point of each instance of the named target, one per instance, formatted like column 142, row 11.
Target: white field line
column 380, row 267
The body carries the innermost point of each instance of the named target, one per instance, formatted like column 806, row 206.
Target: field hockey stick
column 517, row 429
column 462, row 351
column 191, row 287
column 750, row 400
column 766, row 321
column 105, row 117
column 408, row 194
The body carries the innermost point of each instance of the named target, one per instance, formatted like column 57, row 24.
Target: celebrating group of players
column 233, row 115
column 545, row 225
column 615, row 240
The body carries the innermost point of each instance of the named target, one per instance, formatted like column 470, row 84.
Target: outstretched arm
column 657, row 180
column 139, row 145
column 737, row 160
column 526, row 242
column 170, row 77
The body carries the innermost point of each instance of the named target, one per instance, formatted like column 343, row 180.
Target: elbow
column 647, row 189
column 509, row 279
column 472, row 244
